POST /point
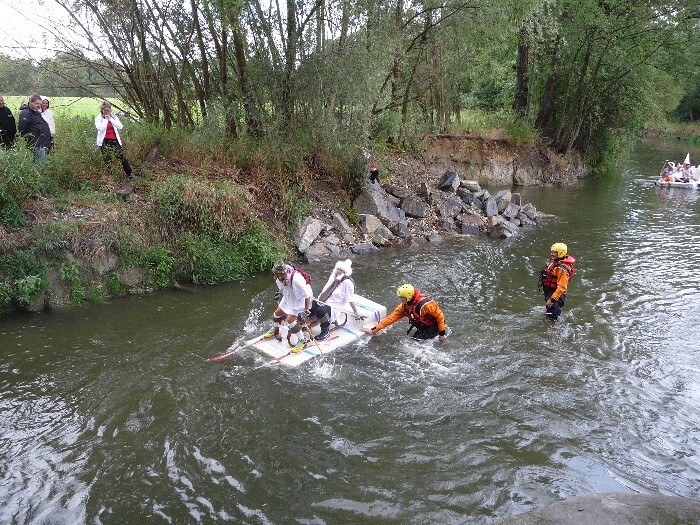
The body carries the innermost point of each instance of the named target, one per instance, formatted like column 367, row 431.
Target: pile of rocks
column 391, row 214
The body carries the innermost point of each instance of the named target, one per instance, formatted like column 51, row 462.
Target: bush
column 209, row 260
column 20, row 179
column 27, row 277
column 217, row 209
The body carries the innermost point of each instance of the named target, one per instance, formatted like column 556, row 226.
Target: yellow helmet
column 407, row 291
column 560, row 248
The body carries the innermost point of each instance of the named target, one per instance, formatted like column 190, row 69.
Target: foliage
column 217, row 209
column 520, row 131
column 28, row 277
column 19, row 180
column 161, row 267
column 211, row 260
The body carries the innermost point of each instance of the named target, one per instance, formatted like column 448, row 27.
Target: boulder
column 449, row 181
column 450, row 208
column 469, row 229
column 318, row 251
column 470, row 185
column 398, row 192
column 529, row 211
column 424, row 191
column 306, row 233
column 363, row 248
column 369, row 223
column 502, row 200
column 414, row 208
column 516, row 199
column 340, row 224
column 401, row 230
column 502, row 229
column 372, row 201
column 466, row 196
column 511, row 211
column 490, row 207
column 434, row 238
column 446, row 224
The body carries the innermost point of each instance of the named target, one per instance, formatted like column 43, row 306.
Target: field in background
column 65, row 106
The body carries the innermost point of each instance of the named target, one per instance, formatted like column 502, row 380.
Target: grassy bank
column 206, row 210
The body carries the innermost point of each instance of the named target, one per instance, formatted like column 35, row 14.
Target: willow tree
column 594, row 64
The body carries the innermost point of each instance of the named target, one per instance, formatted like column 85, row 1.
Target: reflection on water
column 112, row 414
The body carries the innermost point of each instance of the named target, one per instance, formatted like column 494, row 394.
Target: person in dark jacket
column 8, row 126
column 34, row 128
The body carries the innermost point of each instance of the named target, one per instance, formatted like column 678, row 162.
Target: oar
column 230, row 352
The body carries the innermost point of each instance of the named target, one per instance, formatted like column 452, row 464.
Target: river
column 112, row 415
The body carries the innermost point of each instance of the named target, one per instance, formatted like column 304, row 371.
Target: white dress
column 341, row 296
column 295, row 291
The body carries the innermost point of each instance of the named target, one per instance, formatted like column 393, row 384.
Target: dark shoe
column 325, row 332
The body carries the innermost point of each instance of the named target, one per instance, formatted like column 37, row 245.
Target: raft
column 692, row 185
column 347, row 330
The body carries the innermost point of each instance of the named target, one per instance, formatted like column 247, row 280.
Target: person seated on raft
column 684, row 174
column 668, row 171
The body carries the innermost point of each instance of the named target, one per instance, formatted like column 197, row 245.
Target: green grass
column 68, row 106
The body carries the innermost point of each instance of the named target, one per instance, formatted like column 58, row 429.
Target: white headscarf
column 345, row 265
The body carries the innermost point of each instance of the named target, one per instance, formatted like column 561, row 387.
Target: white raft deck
column 692, row 185
column 347, row 331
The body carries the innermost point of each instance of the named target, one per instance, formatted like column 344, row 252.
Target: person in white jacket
column 108, row 139
column 337, row 295
column 47, row 115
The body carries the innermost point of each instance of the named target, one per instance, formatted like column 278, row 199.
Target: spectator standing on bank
column 8, row 126
column 34, row 128
column 108, row 139
column 47, row 115
column 373, row 173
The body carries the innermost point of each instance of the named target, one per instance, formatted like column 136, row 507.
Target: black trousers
column 555, row 310
column 111, row 148
column 425, row 331
column 322, row 312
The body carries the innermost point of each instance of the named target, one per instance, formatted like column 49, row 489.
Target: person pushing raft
column 423, row 313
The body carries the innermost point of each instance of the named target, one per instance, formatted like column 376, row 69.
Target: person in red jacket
column 423, row 313
column 555, row 279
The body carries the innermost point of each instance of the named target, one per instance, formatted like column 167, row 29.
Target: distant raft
column 691, row 185
column 347, row 330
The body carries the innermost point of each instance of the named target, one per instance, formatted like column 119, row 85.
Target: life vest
column 566, row 264
column 413, row 309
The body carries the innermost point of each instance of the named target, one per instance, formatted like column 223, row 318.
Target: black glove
column 278, row 295
column 304, row 316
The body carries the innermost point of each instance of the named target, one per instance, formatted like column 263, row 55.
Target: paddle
column 230, row 352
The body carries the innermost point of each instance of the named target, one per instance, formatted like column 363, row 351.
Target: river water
column 112, row 415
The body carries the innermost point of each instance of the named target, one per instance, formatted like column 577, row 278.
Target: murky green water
column 111, row 414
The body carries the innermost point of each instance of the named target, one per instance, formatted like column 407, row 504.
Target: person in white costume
column 295, row 296
column 338, row 292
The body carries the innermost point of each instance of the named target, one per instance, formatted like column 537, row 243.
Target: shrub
column 27, row 277
column 217, row 209
column 161, row 267
column 19, row 180
column 209, row 260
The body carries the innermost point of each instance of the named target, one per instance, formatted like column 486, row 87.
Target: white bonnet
column 345, row 265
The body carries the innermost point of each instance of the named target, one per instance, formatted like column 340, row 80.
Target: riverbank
column 188, row 221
